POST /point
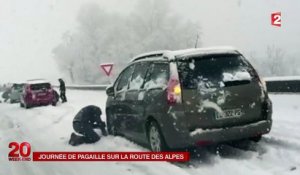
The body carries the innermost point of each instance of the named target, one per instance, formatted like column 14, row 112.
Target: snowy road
column 48, row 129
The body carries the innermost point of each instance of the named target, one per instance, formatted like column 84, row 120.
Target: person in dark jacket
column 84, row 123
column 62, row 89
column 6, row 94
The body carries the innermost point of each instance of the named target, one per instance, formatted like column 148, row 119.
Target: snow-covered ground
column 48, row 129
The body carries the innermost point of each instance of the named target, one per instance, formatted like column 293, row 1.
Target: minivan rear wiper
column 236, row 82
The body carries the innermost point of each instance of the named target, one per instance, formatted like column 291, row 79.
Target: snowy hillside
column 48, row 129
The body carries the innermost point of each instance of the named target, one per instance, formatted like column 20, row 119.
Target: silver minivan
column 194, row 97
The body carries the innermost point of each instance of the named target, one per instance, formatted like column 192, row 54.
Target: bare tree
column 276, row 60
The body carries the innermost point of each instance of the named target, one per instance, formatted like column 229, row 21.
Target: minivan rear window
column 213, row 70
column 35, row 87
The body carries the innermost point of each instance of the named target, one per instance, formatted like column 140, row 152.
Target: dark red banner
column 112, row 156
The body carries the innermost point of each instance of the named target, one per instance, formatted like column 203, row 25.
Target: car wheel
column 156, row 140
column 12, row 101
column 53, row 103
column 111, row 128
column 26, row 106
column 21, row 105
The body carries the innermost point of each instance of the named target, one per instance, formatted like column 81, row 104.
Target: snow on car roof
column 159, row 52
column 204, row 51
column 189, row 52
column 19, row 82
column 37, row 81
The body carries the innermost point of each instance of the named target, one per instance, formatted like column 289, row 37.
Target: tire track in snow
column 66, row 113
column 284, row 144
column 16, row 134
column 43, row 126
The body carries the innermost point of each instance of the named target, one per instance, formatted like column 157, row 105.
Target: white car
column 16, row 91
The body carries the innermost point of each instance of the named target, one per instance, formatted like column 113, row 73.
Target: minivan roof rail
column 152, row 54
column 187, row 52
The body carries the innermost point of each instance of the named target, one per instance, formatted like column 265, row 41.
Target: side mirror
column 110, row 91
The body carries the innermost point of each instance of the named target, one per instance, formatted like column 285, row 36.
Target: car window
column 138, row 75
column 212, row 71
column 40, row 86
column 18, row 86
column 124, row 78
column 158, row 77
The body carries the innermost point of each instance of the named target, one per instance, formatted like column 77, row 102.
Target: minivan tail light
column 177, row 90
column 28, row 90
column 174, row 91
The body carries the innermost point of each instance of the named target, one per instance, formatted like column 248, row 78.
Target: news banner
column 22, row 152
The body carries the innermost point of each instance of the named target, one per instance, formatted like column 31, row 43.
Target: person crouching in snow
column 84, row 123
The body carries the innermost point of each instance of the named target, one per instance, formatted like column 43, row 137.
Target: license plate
column 229, row 113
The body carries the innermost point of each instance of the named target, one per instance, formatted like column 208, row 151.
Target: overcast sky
column 30, row 29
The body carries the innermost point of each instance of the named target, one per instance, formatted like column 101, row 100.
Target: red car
column 37, row 93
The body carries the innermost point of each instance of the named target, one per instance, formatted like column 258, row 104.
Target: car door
column 150, row 97
column 119, row 108
column 133, row 98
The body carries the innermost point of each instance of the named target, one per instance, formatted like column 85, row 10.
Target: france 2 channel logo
column 276, row 19
column 19, row 151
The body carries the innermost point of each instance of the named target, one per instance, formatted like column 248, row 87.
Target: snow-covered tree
column 275, row 62
column 110, row 37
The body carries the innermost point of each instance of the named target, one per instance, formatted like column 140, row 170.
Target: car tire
column 155, row 138
column 26, row 106
column 21, row 105
column 111, row 128
column 12, row 101
column 53, row 103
